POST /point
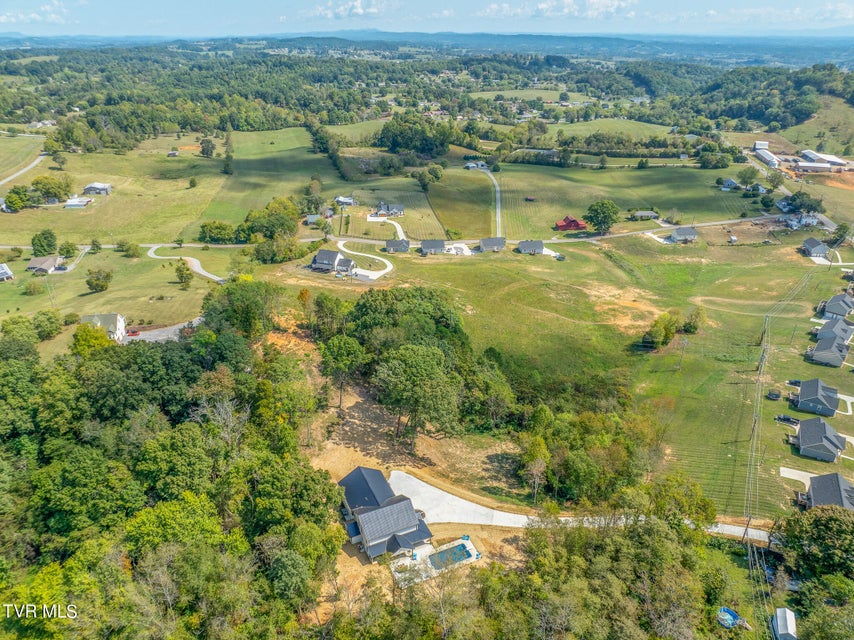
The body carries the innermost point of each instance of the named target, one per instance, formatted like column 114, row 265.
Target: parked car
column 794, row 383
column 61, row 267
column 787, row 419
column 133, row 333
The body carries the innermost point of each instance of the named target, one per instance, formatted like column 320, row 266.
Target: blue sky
column 250, row 17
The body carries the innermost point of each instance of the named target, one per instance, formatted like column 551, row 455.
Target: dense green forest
column 160, row 489
column 112, row 98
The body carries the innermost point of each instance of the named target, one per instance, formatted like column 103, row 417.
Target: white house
column 114, row 323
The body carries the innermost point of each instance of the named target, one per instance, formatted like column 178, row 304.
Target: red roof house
column 570, row 224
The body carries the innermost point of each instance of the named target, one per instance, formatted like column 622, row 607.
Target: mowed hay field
column 16, row 152
column 690, row 193
column 151, row 199
column 358, row 130
column 465, row 200
column 609, row 125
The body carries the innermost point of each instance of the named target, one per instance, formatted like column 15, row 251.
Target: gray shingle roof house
column 816, row 439
column 816, row 397
column 838, row 306
column 835, row 328
column 531, row 247
column 831, row 488
column 492, row 244
column 378, row 519
column 6, row 272
column 311, row 218
column 389, row 210
column 813, row 248
column 98, row 189
column 728, row 184
column 327, row 260
column 396, row 246
column 829, row 351
column 783, row 624
column 644, row 215
column 44, row 264
column 684, row 234
column 114, row 323
column 431, row 247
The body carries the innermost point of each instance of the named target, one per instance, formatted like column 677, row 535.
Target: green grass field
column 419, row 223
column 609, row 125
column 16, row 152
column 358, row 130
column 216, row 260
column 833, row 125
column 137, row 284
column 690, row 193
column 465, row 201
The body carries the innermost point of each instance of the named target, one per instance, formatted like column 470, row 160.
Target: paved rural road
column 441, row 506
column 497, row 202
column 34, row 163
column 194, row 264
column 367, row 274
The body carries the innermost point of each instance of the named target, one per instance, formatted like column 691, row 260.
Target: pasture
column 16, row 152
column 609, row 125
column 687, row 193
column 833, row 126
column 465, row 201
column 358, row 130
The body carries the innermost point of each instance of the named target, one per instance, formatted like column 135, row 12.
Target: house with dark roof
column 783, row 624
column 492, row 244
column 728, row 184
column 44, row 264
column 817, row 440
column 114, row 323
column 831, row 488
column 835, row 328
column 397, row 246
column 570, row 224
column 432, row 247
column 389, row 210
column 6, row 272
column 377, row 519
column 829, row 351
column 327, row 260
column 816, row 397
column 684, row 234
column 757, row 188
column 644, row 215
column 531, row 247
column 97, row 189
column 838, row 306
column 813, row 248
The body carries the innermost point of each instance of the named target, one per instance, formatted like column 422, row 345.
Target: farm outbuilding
column 570, row 224
column 783, row 624
column 6, row 273
column 768, row 158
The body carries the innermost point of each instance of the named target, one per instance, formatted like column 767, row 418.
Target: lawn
column 16, row 152
column 142, row 290
column 419, row 221
column 216, row 260
column 689, row 194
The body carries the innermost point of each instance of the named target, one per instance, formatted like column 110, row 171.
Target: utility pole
column 682, row 356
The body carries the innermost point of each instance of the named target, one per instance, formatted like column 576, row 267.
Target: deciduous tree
column 602, row 215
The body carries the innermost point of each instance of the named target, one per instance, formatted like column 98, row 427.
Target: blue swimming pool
column 445, row 558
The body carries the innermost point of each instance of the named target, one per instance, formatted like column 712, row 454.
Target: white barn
column 768, row 158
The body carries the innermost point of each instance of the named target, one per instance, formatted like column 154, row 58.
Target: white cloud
column 444, row 13
column 54, row 12
column 503, row 10
column 351, row 9
column 560, row 9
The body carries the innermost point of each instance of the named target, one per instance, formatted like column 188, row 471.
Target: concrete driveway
column 441, row 506
column 800, row 476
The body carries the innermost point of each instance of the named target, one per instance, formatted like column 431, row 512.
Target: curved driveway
column 193, row 263
column 34, row 163
column 367, row 274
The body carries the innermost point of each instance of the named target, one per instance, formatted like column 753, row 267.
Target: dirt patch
column 190, row 147
column 755, row 523
column 627, row 309
column 838, row 180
